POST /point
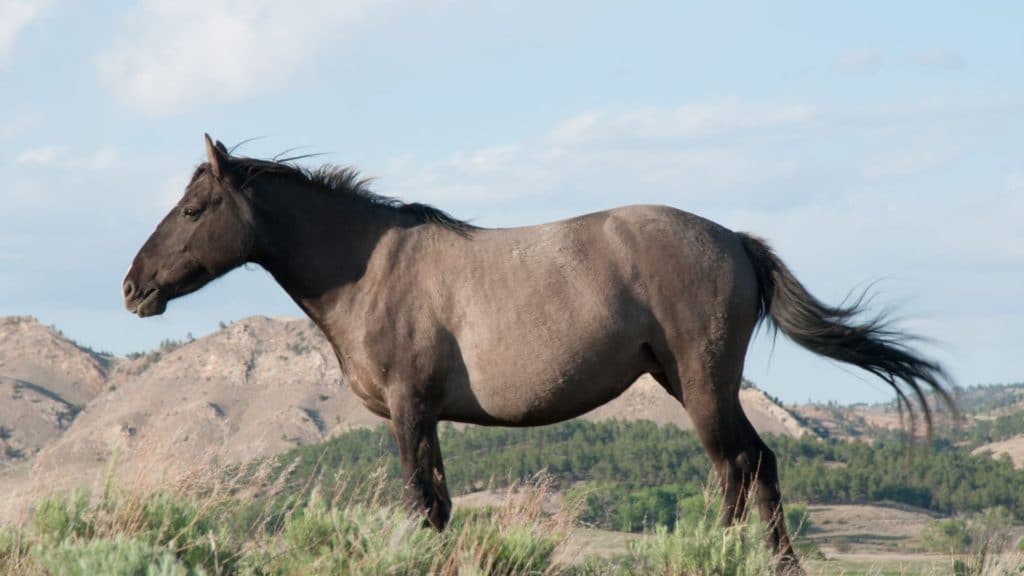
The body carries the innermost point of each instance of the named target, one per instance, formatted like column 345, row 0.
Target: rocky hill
column 45, row 380
column 255, row 388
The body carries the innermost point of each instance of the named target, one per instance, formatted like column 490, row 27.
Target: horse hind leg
column 744, row 464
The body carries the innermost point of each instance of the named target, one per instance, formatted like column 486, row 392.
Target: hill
column 976, row 404
column 255, row 388
column 1011, row 447
column 991, row 420
column 45, row 380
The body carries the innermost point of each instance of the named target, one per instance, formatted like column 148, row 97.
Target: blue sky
column 876, row 141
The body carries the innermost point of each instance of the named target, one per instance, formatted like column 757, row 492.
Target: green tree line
column 637, row 472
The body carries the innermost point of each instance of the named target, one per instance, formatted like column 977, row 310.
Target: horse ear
column 220, row 146
column 216, row 156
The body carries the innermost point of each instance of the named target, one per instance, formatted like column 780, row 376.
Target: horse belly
column 545, row 390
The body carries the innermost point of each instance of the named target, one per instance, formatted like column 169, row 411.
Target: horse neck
column 315, row 244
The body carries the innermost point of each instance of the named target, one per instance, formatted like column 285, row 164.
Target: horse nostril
column 129, row 288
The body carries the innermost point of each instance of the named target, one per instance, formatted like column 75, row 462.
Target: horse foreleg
column 419, row 454
column 442, row 509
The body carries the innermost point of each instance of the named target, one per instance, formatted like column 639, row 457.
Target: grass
column 206, row 527
column 202, row 529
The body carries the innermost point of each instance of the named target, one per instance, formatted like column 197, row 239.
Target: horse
column 435, row 319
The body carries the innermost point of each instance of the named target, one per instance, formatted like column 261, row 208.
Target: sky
column 873, row 143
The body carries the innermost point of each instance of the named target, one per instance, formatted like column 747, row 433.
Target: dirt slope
column 1013, row 447
column 44, row 380
column 256, row 388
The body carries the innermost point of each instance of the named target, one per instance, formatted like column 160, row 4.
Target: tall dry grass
column 252, row 523
column 213, row 525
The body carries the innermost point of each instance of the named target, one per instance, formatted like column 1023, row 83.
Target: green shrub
column 356, row 540
column 985, row 531
column 123, row 521
column 60, row 517
column 950, row 536
column 113, row 557
column 13, row 549
column 614, row 507
column 798, row 519
column 705, row 550
column 697, row 546
column 194, row 534
column 489, row 544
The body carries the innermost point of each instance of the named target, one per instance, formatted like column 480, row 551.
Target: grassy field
column 201, row 529
column 217, row 526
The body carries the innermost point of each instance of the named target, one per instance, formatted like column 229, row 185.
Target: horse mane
column 344, row 182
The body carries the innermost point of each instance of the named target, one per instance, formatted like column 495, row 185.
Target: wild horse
column 432, row 318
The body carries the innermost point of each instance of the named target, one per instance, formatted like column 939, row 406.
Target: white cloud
column 59, row 156
column 489, row 159
column 1015, row 185
column 39, row 156
column 787, row 171
column 15, row 15
column 577, row 128
column 905, row 162
column 701, row 150
column 938, row 58
column 97, row 160
column 176, row 54
column 651, row 125
column 863, row 61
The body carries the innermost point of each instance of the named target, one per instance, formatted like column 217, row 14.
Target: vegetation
column 201, row 529
column 150, row 358
column 169, row 533
column 989, row 397
column 304, row 514
column 210, row 532
column 633, row 475
column 698, row 546
column 998, row 428
column 966, row 534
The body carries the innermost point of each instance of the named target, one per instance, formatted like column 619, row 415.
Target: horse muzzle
column 143, row 302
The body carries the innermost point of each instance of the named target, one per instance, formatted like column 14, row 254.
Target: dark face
column 207, row 234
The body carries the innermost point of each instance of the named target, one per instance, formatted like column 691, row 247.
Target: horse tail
column 838, row 333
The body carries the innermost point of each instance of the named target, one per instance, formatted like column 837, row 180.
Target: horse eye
column 191, row 212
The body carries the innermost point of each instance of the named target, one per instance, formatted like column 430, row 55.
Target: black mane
column 343, row 181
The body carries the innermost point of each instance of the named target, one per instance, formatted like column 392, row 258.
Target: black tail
column 837, row 333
